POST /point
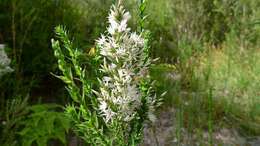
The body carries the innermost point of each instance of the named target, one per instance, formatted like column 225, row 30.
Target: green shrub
column 22, row 124
column 42, row 124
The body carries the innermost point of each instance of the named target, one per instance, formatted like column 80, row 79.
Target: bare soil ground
column 163, row 133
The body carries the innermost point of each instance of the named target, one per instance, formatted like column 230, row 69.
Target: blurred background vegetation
column 209, row 54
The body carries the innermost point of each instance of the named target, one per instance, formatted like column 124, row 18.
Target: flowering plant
column 113, row 110
column 124, row 65
column 4, row 62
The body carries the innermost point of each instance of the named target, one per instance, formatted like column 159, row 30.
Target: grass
column 217, row 87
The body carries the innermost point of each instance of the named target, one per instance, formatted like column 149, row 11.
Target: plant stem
column 210, row 122
column 13, row 29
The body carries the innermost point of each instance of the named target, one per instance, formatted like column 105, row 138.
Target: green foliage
column 27, row 30
column 11, row 117
column 26, row 125
column 235, row 80
column 203, row 21
column 84, row 118
column 42, row 124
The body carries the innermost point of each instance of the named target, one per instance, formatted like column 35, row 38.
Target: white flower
column 4, row 63
column 124, row 75
column 112, row 29
column 103, row 105
column 123, row 62
column 106, row 80
column 101, row 41
column 117, row 25
column 137, row 39
column 126, row 17
column 123, row 26
column 112, row 66
column 120, row 52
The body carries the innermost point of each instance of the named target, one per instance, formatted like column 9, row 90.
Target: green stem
column 210, row 122
column 142, row 6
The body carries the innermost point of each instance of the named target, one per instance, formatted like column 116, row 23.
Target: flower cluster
column 4, row 63
column 124, row 65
